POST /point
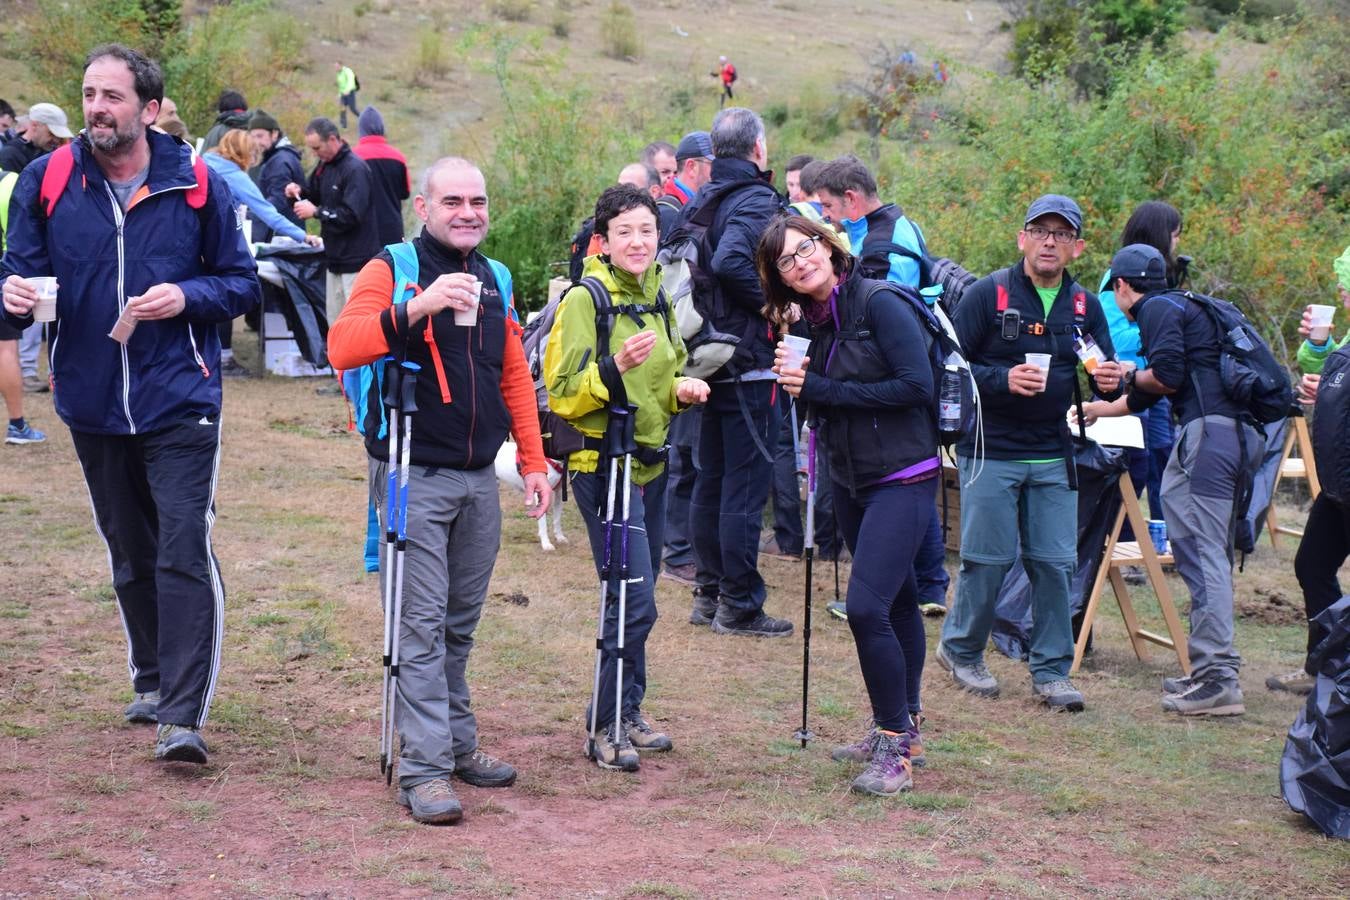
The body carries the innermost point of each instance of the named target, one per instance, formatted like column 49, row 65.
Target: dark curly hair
column 617, row 200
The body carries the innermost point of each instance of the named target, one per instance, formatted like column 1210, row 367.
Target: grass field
column 1119, row 801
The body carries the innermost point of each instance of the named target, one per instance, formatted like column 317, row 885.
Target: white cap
column 50, row 114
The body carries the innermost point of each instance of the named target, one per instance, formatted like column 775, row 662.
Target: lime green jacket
column 346, row 80
column 1312, row 357
column 576, row 392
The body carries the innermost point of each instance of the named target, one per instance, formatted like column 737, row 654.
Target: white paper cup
column 1320, row 324
column 470, row 316
column 45, row 310
column 1042, row 362
column 794, row 351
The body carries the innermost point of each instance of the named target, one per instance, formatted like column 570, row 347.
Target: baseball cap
column 1056, row 205
column 50, row 114
column 1140, row 262
column 694, row 144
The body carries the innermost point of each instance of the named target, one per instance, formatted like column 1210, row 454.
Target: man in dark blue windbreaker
column 144, row 244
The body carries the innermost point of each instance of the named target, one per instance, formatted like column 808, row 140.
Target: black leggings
column 1325, row 545
column 883, row 527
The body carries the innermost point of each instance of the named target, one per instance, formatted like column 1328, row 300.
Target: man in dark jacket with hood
column 338, row 194
column 280, row 166
column 233, row 113
column 740, row 420
column 389, row 181
column 146, row 245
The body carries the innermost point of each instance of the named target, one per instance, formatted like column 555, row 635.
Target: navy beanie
column 371, row 122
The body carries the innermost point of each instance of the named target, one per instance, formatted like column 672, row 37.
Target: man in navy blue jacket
column 144, row 244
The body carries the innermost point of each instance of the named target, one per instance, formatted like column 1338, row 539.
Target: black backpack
column 944, row 355
column 940, row 271
column 1251, row 375
column 1331, row 426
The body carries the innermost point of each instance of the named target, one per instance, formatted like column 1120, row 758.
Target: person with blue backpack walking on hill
column 615, row 355
column 869, row 390
column 1190, row 343
column 439, row 303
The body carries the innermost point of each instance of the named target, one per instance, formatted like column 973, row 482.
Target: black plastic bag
column 1315, row 768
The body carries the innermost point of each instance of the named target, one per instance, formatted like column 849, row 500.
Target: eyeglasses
column 803, row 251
column 1040, row 233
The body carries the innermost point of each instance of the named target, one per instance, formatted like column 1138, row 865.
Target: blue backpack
column 356, row 382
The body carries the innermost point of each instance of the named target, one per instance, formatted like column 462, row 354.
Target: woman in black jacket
column 871, row 396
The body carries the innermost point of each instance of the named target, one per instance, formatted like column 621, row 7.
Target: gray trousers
column 454, row 528
column 1199, row 489
column 30, row 343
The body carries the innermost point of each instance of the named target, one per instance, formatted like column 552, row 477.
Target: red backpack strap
column 56, row 177
column 1001, row 292
column 196, row 195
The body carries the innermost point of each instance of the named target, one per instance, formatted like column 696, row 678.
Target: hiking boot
column 974, row 678
column 33, row 384
column 1296, row 682
column 888, row 773
column 838, row 609
column 143, row 708
column 859, row 751
column 916, row 757
column 481, row 770
column 180, row 743
column 25, row 435
column 432, row 802
column 230, row 368
column 769, row 547
column 1133, row 575
column 755, row 625
column 643, row 737
column 609, row 754
column 932, row 609
column 1177, row 684
column 705, row 608
column 685, row 574
column 1207, row 698
column 1059, row 694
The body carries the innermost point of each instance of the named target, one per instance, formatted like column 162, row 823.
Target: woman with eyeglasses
column 868, row 387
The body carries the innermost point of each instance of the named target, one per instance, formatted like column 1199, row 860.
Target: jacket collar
column 446, row 258
column 170, row 161
column 739, row 170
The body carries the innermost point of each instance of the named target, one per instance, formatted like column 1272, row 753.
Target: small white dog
column 507, row 473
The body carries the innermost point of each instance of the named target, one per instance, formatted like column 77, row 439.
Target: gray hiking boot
column 705, row 608
column 143, row 708
column 1295, row 682
column 180, row 743
column 1177, row 684
column 481, row 770
column 838, row 609
column 610, row 753
column 643, row 737
column 1059, row 694
column 888, row 772
column 974, row 678
column 860, row 751
column 432, row 802
column 1207, row 698
column 754, row 625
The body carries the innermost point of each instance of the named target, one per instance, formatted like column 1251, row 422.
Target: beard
column 119, row 140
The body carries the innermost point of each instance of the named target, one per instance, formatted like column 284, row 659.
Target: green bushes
column 619, row 32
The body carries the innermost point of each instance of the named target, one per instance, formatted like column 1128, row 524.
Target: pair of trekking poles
column 617, row 448
column 400, row 399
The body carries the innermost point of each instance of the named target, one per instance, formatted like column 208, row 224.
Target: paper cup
column 1320, row 324
column 794, row 351
column 45, row 310
column 1042, row 362
column 125, row 325
column 470, row 316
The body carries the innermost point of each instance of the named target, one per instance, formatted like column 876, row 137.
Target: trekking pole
column 408, row 405
column 804, row 734
column 623, row 594
column 606, row 569
column 391, row 375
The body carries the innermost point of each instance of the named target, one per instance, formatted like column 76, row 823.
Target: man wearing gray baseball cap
column 47, row 130
column 1021, row 328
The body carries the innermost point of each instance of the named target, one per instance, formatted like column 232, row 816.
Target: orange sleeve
column 518, row 392
column 358, row 336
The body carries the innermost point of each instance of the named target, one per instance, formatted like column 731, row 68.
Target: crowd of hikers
column 716, row 341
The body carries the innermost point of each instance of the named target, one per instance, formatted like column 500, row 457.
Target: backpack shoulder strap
column 59, row 166
column 507, row 288
column 604, row 313
column 407, row 269
column 196, row 195
column 1001, row 290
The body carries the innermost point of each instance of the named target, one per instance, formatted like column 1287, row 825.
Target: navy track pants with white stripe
column 154, row 505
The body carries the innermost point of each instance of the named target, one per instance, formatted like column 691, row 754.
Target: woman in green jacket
column 1315, row 349
column 644, row 353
